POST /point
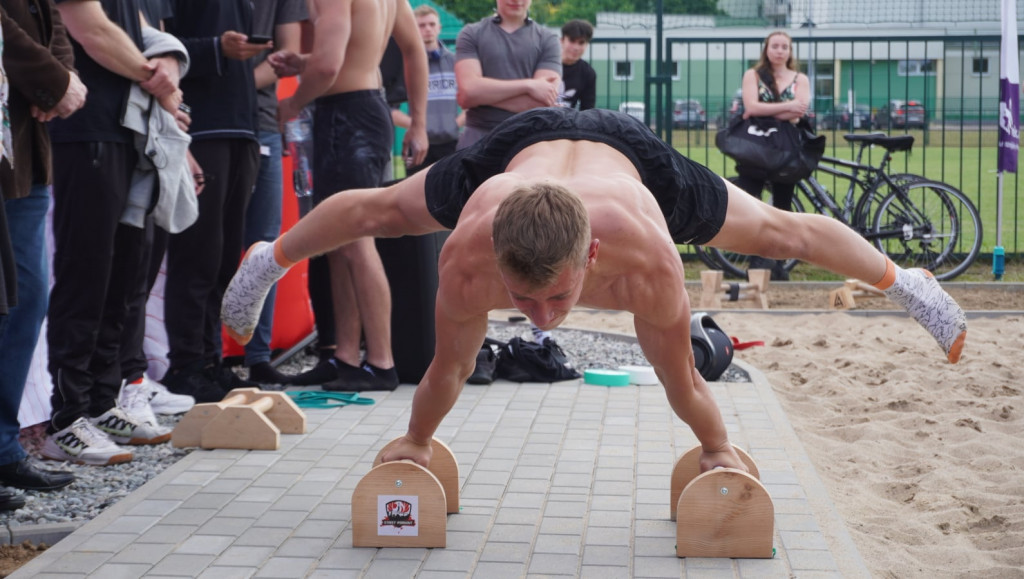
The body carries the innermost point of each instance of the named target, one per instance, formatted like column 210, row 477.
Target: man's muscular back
column 368, row 24
column 637, row 266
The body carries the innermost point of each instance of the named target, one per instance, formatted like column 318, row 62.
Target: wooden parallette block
column 402, row 504
column 444, row 467
column 723, row 512
column 844, row 298
column 247, row 418
column 714, row 291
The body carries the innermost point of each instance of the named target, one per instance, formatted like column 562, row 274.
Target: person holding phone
column 200, row 260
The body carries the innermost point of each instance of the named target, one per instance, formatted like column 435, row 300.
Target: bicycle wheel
column 705, row 255
column 735, row 265
column 927, row 224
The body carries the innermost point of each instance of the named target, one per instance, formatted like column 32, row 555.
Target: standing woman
column 774, row 88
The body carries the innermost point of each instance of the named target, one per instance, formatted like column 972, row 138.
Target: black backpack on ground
column 525, row 361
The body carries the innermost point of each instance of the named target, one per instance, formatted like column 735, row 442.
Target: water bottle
column 298, row 134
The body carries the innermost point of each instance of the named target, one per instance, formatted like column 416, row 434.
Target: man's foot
column 243, row 300
column 368, row 378
column 925, row 300
column 145, row 397
column 83, row 443
column 124, row 428
column 224, row 377
column 262, row 373
column 10, row 501
column 24, row 475
column 326, row 370
column 192, row 381
column 163, row 401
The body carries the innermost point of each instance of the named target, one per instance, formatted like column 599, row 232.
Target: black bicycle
column 916, row 221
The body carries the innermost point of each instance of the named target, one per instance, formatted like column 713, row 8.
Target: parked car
column 735, row 109
column 901, row 115
column 688, row 114
column 841, row 118
column 634, row 109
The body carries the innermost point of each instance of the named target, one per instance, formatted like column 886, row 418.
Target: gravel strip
column 97, row 488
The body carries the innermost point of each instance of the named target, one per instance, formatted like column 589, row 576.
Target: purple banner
column 1009, row 125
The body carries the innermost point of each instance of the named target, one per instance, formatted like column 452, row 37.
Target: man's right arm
column 105, row 42
column 458, row 341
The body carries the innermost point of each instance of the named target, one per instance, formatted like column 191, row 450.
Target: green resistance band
column 321, row 399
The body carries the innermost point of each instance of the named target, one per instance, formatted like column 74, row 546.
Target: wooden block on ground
column 687, row 468
column 399, row 504
column 725, row 513
column 442, row 465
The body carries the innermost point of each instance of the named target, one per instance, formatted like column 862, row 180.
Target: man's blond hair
column 539, row 230
column 423, row 10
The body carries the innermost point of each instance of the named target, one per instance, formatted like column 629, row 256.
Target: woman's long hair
column 763, row 68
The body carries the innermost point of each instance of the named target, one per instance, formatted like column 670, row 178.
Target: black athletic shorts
column 352, row 139
column 692, row 198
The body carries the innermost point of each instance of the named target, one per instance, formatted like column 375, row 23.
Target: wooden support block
column 714, row 292
column 245, row 426
column 710, row 284
column 443, row 466
column 687, row 468
column 399, row 504
column 722, row 512
column 844, row 298
column 725, row 513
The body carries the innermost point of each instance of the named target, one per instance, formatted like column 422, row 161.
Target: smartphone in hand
column 258, row 39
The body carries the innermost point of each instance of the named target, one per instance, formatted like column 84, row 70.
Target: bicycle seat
column 891, row 144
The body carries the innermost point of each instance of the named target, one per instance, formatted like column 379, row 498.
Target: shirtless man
column 556, row 208
column 352, row 136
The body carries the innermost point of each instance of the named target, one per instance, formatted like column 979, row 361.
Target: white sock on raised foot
column 925, row 300
column 244, row 297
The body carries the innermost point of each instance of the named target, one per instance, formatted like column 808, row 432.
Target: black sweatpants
column 98, row 264
column 202, row 259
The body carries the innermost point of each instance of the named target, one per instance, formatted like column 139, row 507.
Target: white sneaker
column 150, row 396
column 925, row 300
column 83, row 443
column 125, row 428
column 243, row 300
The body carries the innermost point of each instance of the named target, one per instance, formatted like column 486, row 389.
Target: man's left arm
column 664, row 337
column 407, row 36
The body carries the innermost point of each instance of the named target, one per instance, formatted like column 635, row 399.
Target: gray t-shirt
column 266, row 15
column 506, row 56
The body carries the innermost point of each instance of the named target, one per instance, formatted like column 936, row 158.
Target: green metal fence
column 954, row 78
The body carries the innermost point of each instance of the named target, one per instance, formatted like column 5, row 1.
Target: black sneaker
column 192, row 381
column 325, row 371
column 10, row 501
column 262, row 373
column 226, row 379
column 368, row 378
column 486, row 364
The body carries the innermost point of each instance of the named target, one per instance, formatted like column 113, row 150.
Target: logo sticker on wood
column 398, row 515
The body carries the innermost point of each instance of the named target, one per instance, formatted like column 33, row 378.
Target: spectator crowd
column 150, row 132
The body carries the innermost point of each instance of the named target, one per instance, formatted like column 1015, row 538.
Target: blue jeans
column 263, row 223
column 27, row 224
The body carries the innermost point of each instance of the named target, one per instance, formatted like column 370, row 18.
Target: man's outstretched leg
column 924, row 299
column 262, row 266
column 386, row 212
column 755, row 228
